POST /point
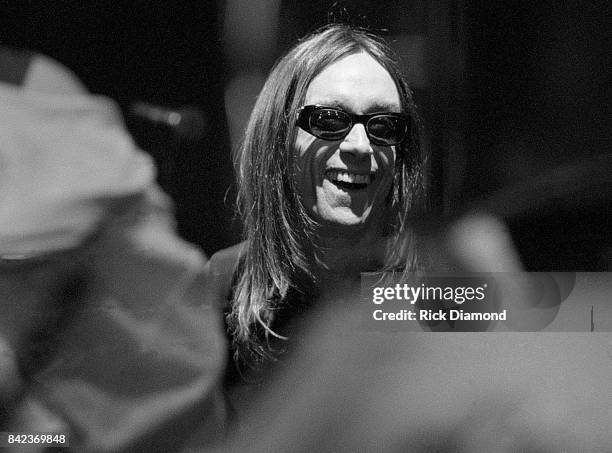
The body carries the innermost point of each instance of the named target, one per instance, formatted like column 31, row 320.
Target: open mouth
column 348, row 180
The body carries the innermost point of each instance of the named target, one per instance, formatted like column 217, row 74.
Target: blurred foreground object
column 37, row 72
column 103, row 334
column 424, row 392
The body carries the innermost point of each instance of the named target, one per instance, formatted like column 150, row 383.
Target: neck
column 342, row 255
column 341, row 258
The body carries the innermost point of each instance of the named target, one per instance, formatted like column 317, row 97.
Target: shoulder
column 219, row 272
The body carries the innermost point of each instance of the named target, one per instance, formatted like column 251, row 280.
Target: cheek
column 391, row 157
column 304, row 163
column 311, row 155
column 300, row 152
column 386, row 162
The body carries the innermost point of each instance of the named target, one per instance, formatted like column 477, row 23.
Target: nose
column 357, row 141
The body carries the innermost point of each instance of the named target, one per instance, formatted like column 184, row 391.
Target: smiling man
column 330, row 167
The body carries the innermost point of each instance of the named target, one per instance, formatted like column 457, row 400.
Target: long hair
column 279, row 234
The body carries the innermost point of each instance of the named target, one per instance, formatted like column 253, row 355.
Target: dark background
column 509, row 91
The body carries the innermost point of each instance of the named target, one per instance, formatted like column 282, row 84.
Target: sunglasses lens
column 329, row 124
column 387, row 129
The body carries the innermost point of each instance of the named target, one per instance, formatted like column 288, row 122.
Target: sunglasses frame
column 305, row 112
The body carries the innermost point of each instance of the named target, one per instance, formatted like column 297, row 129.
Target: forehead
column 357, row 83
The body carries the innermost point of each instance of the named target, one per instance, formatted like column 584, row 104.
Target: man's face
column 346, row 182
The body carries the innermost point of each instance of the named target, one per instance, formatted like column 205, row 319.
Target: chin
column 346, row 218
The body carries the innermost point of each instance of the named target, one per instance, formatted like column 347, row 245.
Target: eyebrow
column 375, row 107
column 384, row 107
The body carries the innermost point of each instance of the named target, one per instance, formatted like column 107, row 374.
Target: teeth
column 344, row 176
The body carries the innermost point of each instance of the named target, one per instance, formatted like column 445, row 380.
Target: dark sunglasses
column 331, row 123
